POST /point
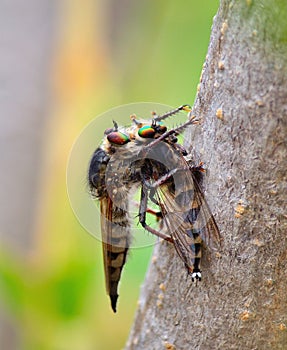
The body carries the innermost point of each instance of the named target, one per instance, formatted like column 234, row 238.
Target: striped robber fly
column 147, row 156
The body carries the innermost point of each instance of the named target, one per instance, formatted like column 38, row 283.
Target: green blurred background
column 100, row 54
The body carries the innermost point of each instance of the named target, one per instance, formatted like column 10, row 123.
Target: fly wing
column 175, row 219
column 186, row 215
column 205, row 217
column 115, row 240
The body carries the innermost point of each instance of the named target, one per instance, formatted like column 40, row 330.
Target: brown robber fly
column 148, row 157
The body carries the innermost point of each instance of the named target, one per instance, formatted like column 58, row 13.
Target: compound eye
column 146, row 132
column 118, row 138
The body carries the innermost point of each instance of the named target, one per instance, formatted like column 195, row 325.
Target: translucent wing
column 186, row 215
column 206, row 218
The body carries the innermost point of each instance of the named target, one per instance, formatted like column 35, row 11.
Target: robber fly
column 147, row 156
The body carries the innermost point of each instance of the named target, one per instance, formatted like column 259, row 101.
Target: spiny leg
column 192, row 121
column 162, row 180
column 142, row 216
column 156, row 214
column 158, row 118
column 149, row 191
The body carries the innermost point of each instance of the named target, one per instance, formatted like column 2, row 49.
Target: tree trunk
column 241, row 302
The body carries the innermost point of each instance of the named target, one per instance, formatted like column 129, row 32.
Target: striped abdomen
column 114, row 220
column 115, row 237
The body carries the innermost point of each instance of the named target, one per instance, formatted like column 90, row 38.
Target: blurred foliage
column 107, row 53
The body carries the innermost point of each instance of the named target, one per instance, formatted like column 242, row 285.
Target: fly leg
column 142, row 215
column 151, row 188
column 156, row 117
column 156, row 214
column 148, row 192
column 162, row 180
column 191, row 121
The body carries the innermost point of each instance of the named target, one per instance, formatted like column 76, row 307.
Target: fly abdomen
column 116, row 237
column 195, row 246
column 115, row 258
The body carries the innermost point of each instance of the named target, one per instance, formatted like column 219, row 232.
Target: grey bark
column 241, row 302
column 26, row 49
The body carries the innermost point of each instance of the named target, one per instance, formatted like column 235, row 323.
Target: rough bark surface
column 241, row 302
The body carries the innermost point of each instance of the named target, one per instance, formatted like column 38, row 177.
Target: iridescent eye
column 118, row 138
column 146, row 132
